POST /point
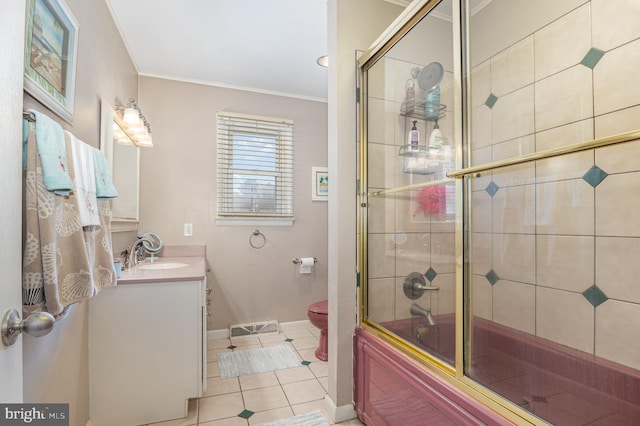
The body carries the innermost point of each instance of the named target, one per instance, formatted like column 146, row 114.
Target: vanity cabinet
column 147, row 351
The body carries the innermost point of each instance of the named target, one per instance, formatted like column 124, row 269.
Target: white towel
column 84, row 181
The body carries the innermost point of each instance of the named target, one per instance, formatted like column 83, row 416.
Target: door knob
column 37, row 324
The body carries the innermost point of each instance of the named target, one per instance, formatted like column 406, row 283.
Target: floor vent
column 262, row 328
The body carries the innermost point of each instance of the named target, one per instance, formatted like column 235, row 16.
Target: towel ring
column 257, row 234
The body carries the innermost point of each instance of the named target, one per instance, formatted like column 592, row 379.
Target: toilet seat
column 321, row 308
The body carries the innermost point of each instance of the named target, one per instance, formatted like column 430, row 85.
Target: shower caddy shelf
column 426, row 162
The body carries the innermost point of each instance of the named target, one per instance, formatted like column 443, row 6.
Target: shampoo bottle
column 435, row 139
column 414, row 137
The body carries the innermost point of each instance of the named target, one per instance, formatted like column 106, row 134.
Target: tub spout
column 419, row 311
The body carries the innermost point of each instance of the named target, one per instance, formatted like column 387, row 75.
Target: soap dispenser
column 414, row 137
column 435, row 139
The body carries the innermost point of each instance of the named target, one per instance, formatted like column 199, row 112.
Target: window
column 255, row 166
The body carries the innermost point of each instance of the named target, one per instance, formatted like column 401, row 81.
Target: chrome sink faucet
column 136, row 249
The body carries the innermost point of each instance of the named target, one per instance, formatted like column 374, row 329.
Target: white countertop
column 195, row 271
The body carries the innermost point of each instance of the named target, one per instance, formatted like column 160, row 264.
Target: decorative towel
column 63, row 262
column 104, row 181
column 84, row 181
column 53, row 154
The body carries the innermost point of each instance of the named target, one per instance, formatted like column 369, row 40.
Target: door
column 12, row 18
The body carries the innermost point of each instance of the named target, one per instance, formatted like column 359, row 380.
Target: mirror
column 124, row 158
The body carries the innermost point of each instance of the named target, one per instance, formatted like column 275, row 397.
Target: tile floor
column 264, row 397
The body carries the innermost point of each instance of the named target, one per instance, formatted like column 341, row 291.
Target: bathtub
column 556, row 383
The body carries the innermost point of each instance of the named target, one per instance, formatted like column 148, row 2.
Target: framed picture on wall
column 50, row 55
column 319, row 184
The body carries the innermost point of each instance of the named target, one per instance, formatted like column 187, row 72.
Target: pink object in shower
column 431, row 200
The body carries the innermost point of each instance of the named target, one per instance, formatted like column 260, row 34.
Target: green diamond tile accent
column 492, row 277
column 246, row 414
column 492, row 188
column 288, row 340
column 595, row 296
column 232, row 347
column 491, row 100
column 592, row 58
column 430, row 274
column 305, row 363
column 595, row 176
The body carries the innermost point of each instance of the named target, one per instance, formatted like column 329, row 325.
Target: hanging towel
column 63, row 262
column 84, row 181
column 104, row 181
column 53, row 154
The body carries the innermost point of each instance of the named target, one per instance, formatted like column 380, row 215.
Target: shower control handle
column 415, row 285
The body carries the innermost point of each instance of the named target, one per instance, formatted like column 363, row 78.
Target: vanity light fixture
column 131, row 125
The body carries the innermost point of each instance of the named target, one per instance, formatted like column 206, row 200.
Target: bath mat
column 252, row 361
column 314, row 418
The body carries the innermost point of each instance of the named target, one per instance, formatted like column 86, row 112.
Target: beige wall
column 353, row 26
column 178, row 185
column 56, row 366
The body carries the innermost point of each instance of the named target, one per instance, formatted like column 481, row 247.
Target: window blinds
column 255, row 166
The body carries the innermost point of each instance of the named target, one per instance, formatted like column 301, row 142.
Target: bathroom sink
column 168, row 265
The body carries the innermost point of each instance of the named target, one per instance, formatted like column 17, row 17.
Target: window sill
column 250, row 221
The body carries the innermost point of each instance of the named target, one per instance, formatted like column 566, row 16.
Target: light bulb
column 131, row 116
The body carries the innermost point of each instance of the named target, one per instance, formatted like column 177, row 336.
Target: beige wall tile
column 614, row 26
column 482, row 294
column 512, row 115
column 514, row 210
column 571, row 166
column 621, row 158
column 443, row 254
column 481, row 156
column 381, row 256
column 414, row 255
column 382, row 218
column 514, row 257
column 480, row 127
column 480, row 83
column 565, row 317
column 514, row 305
column 617, row 326
column 512, row 68
column 563, row 43
column 443, row 301
column 563, row 98
column 568, row 134
column 617, row 267
column 481, row 212
column 565, row 262
column 381, row 294
column 624, row 120
column 514, row 175
column 612, row 91
column 383, row 121
column 565, row 207
column 617, row 206
column 376, row 84
column 382, row 165
column 481, row 257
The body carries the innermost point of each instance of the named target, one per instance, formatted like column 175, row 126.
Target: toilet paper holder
column 297, row 260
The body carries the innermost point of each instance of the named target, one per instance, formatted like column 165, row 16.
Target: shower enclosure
column 499, row 252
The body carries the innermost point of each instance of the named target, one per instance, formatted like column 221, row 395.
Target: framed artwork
column 319, row 184
column 50, row 55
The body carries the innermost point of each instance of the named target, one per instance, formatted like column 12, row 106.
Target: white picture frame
column 319, row 184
